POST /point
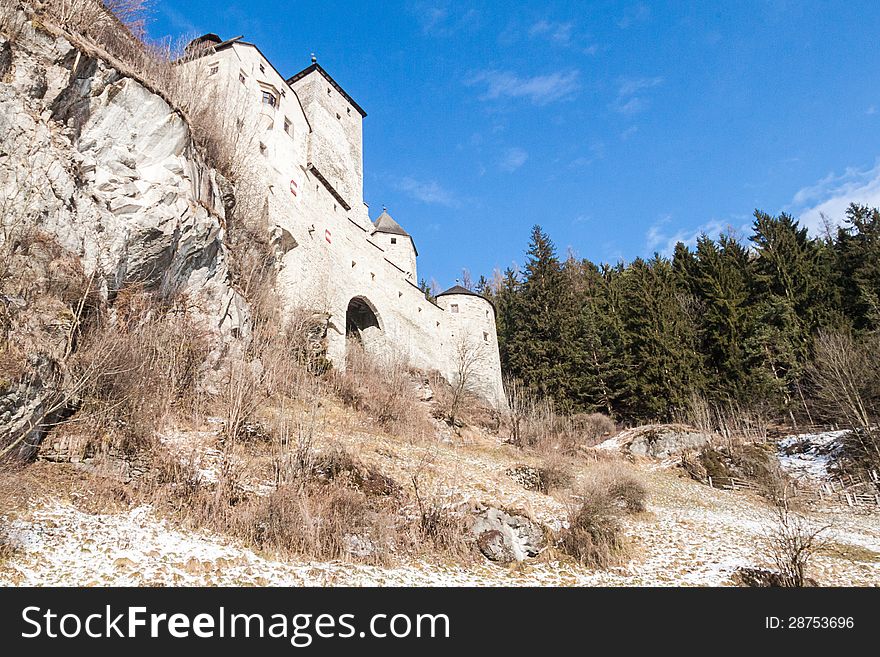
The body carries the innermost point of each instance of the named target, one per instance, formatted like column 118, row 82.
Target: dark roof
column 458, row 289
column 385, row 224
column 317, row 67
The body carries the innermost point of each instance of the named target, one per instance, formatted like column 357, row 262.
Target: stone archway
column 361, row 319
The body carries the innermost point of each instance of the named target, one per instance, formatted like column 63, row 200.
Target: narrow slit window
column 485, row 337
column 288, row 126
column 394, row 240
column 241, row 77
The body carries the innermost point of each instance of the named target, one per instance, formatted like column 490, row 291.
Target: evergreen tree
column 535, row 351
column 858, row 266
column 660, row 340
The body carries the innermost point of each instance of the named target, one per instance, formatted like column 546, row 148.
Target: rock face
column 658, row 440
column 504, row 537
column 105, row 171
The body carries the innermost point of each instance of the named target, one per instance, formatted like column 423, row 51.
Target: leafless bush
column 469, row 358
column 554, row 474
column 534, row 422
column 137, row 369
column 594, row 536
column 792, row 542
column 731, row 420
column 845, row 376
column 383, row 389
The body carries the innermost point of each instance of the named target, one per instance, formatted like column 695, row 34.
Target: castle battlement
column 304, row 134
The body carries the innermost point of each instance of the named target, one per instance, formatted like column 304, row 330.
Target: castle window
column 454, row 307
column 328, row 91
column 214, row 69
column 399, row 294
column 372, row 276
column 288, row 126
column 269, row 99
column 338, row 116
column 241, row 77
column 263, row 149
column 262, row 69
column 348, row 110
column 353, row 263
column 485, row 337
column 394, row 240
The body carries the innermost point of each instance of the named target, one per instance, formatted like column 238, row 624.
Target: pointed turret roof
column 385, row 224
column 459, row 289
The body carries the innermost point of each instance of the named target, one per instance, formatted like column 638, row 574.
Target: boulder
column 505, row 537
column 658, row 440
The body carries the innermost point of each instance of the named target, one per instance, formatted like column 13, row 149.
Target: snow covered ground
column 808, row 456
column 692, row 535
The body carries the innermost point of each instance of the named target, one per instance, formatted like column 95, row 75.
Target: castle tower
column 474, row 338
column 336, row 146
column 398, row 244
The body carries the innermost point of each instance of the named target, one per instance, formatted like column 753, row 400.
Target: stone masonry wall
column 329, row 255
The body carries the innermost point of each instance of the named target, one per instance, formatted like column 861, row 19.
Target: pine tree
column 857, row 262
column 793, row 300
column 535, row 351
column 720, row 277
column 661, row 342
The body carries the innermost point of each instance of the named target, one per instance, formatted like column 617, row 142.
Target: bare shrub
column 594, row 536
column 383, row 389
column 554, row 474
column 137, row 369
column 534, row 422
column 792, row 542
column 732, row 421
column 845, row 376
column 469, row 358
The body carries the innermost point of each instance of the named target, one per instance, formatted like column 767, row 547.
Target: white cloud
column 830, row 197
column 559, row 33
column 513, row 159
column 540, row 89
column 439, row 21
column 630, row 98
column 596, row 152
column 629, row 133
column 427, row 192
column 638, row 13
column 660, row 239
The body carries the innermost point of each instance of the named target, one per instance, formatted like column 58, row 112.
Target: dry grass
column 595, row 536
column 534, row 422
column 384, row 390
column 140, row 366
column 335, row 508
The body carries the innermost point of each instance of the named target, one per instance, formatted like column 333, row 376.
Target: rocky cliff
column 100, row 184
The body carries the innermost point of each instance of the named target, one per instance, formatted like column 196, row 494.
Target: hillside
column 166, row 418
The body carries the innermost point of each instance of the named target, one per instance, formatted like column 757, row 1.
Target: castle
column 305, row 133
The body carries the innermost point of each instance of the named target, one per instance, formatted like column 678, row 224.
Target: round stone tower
column 472, row 343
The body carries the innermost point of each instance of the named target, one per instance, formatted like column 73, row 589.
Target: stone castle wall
column 330, row 255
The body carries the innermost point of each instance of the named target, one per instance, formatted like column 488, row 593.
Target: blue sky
column 619, row 127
